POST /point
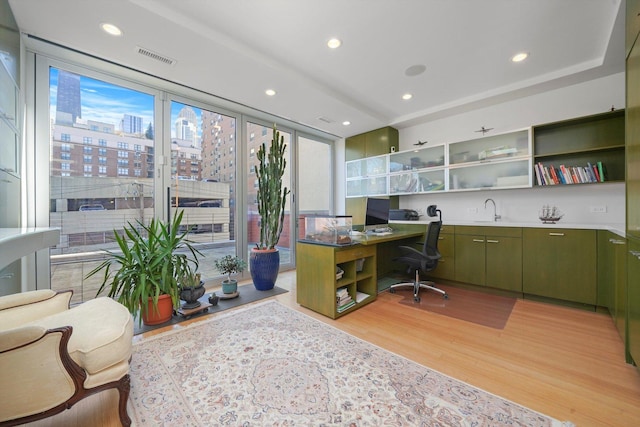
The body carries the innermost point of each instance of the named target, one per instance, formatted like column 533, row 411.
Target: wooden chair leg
column 124, row 387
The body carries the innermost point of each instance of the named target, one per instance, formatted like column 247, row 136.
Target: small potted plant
column 230, row 264
column 191, row 289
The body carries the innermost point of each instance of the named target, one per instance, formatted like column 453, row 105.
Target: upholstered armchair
column 52, row 356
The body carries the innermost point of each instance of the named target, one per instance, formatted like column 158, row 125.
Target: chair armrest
column 36, row 373
column 408, row 250
column 18, row 309
column 19, row 337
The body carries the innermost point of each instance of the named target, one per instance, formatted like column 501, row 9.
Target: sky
column 106, row 102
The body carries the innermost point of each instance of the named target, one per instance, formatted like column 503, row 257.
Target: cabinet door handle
column 479, row 240
column 635, row 254
column 617, row 242
column 493, row 241
column 556, row 234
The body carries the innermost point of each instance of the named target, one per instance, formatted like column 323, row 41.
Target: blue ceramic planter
column 264, row 266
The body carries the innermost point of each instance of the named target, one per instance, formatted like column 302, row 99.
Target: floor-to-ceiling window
column 203, row 179
column 111, row 146
column 101, row 170
column 258, row 134
column 315, row 180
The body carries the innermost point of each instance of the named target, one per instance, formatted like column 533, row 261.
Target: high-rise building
column 132, row 125
column 68, row 98
column 186, row 126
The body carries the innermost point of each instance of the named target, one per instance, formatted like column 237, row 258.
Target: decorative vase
column 264, row 266
column 213, row 299
column 229, row 286
column 191, row 295
column 161, row 314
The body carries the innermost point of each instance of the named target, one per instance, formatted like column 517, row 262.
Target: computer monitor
column 377, row 213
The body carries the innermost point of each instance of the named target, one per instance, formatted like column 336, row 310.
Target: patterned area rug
column 269, row 365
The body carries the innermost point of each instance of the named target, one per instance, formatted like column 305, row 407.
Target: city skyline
column 109, row 103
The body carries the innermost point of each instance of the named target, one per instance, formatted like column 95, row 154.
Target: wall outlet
column 472, row 210
column 598, row 209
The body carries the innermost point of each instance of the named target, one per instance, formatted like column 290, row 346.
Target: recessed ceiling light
column 415, row 70
column 407, row 96
column 519, row 57
column 270, row 92
column 334, row 43
column 111, row 29
column 346, row 123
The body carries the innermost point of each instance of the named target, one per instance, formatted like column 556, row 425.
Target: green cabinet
column 373, row 143
column 633, row 297
column 633, row 143
column 446, row 247
column 470, row 255
column 560, row 263
column 318, row 282
column 489, row 256
column 612, row 278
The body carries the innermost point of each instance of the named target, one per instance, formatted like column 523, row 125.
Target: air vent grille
column 324, row 119
column 154, row 55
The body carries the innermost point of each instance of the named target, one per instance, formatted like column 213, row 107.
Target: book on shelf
column 551, row 175
column 346, row 306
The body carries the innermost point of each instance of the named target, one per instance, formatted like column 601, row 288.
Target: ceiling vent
column 324, row 119
column 153, row 55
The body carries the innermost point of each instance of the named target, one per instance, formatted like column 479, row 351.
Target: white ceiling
column 235, row 49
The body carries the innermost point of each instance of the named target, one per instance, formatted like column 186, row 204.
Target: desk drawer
column 354, row 253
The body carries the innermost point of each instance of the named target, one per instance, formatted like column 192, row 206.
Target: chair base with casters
column 418, row 284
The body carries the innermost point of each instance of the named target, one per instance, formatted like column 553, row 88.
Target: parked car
column 92, row 207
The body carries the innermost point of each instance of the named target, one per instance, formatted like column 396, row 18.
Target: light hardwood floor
column 563, row 362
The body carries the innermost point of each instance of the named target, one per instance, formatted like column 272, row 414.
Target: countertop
column 618, row 229
column 18, row 242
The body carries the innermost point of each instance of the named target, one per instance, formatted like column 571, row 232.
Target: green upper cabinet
column 560, row 263
column 633, row 143
column 373, row 143
column 632, row 23
column 575, row 144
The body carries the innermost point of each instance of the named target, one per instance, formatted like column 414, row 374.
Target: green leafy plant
column 229, row 265
column 272, row 197
column 148, row 264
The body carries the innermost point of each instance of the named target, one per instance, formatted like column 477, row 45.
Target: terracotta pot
column 162, row 314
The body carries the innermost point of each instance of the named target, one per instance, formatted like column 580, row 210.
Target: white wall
column 521, row 205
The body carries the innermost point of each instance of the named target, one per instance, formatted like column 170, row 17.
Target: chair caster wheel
column 416, row 299
column 392, row 290
column 445, row 296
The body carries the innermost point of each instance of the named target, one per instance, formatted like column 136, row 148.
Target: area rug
column 246, row 294
column 480, row 308
column 269, row 365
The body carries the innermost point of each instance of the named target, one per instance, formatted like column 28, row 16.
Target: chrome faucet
column 496, row 217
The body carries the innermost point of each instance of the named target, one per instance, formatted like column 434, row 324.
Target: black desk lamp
column 433, row 210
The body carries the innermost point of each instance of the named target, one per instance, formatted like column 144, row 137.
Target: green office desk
column 362, row 263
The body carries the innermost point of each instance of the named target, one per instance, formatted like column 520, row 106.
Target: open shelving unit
column 318, row 284
column 582, row 141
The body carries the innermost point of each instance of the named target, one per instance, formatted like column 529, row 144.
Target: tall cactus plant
column 272, row 197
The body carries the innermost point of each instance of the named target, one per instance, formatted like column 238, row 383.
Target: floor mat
column 481, row 308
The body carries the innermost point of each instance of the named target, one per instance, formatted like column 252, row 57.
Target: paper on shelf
column 361, row 296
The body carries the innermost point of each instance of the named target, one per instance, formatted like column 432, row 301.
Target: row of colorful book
column 550, row 175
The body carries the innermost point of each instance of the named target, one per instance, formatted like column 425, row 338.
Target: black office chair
column 424, row 261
